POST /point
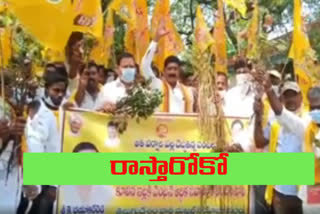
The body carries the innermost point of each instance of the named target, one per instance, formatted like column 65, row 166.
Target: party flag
column 102, row 51
column 301, row 51
column 49, row 21
column 203, row 38
column 5, row 39
column 220, row 50
column 90, row 9
column 172, row 43
column 253, row 32
column 239, row 5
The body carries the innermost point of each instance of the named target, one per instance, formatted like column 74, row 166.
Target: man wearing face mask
column 177, row 98
column 239, row 99
column 43, row 135
column 88, row 89
column 112, row 92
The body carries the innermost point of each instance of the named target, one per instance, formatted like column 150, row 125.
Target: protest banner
column 160, row 133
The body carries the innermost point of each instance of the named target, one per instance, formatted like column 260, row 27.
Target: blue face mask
column 315, row 116
column 128, row 75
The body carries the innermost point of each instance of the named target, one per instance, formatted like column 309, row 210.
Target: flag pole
column 2, row 78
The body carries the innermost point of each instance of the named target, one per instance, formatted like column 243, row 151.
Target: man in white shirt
column 88, row 89
column 43, row 133
column 239, row 99
column 284, row 198
column 177, row 98
column 114, row 91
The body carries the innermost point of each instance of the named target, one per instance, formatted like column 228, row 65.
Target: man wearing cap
column 284, row 133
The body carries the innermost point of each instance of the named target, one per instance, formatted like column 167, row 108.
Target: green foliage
column 140, row 103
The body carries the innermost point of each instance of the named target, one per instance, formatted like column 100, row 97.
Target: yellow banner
column 94, row 132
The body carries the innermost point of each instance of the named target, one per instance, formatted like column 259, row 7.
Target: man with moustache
column 177, row 98
column 88, row 89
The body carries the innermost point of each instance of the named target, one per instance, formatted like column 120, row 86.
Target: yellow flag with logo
column 253, row 33
column 92, row 12
column 52, row 21
column 220, row 49
column 239, row 5
column 172, row 43
column 5, row 39
column 203, row 38
column 301, row 52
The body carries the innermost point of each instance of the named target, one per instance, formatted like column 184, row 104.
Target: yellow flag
column 135, row 13
column 102, row 51
column 88, row 9
column 221, row 60
column 253, row 33
column 172, row 43
column 5, row 39
column 3, row 6
column 301, row 51
column 203, row 38
column 52, row 21
column 49, row 21
column 141, row 33
column 239, row 5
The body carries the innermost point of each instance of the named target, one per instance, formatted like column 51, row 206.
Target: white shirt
column 112, row 143
column 291, row 139
column 10, row 188
column 88, row 102
column 111, row 93
column 177, row 102
column 239, row 102
column 42, row 131
column 99, row 198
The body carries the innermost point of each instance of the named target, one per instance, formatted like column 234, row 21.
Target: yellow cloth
column 203, row 38
column 239, row 5
column 90, row 9
column 172, row 43
column 301, row 52
column 311, row 132
column 273, row 143
column 136, row 16
column 5, row 39
column 102, row 50
column 220, row 50
column 253, row 33
column 266, row 112
column 165, row 106
column 52, row 22
column 49, row 21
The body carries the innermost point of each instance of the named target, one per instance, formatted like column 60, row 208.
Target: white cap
column 290, row 85
column 275, row 73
